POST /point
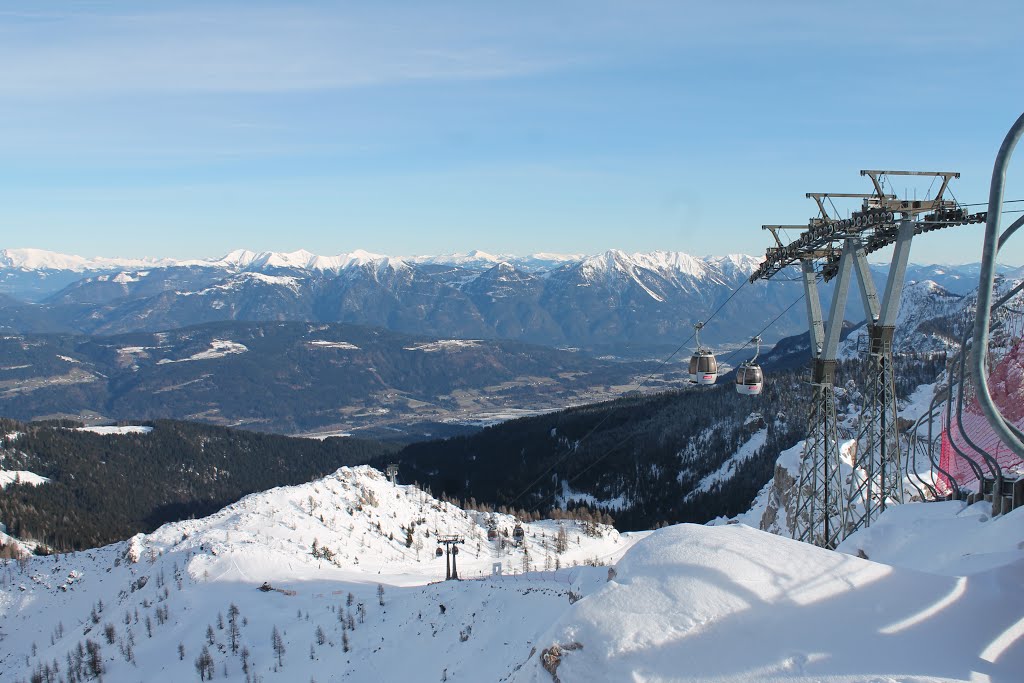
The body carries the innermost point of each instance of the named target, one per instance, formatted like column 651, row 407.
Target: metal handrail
column 985, row 284
column 914, row 443
column 949, row 424
column 993, row 465
column 963, row 349
column 931, row 445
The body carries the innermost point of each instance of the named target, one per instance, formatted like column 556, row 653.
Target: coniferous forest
column 105, row 488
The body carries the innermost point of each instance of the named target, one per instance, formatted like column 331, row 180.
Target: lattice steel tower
column 832, row 248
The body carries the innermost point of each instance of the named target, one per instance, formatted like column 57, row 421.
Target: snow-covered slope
column 922, row 324
column 685, row 603
column 158, row 590
column 8, row 477
column 735, row 604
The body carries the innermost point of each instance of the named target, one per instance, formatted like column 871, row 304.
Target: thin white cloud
column 251, row 47
column 248, row 50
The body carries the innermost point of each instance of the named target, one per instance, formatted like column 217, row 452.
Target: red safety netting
column 1006, row 384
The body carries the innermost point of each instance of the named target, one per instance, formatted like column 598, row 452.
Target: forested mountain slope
column 688, row 455
column 646, row 460
column 106, row 487
column 680, row 456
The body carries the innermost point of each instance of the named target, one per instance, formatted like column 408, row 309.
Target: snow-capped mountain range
column 633, row 305
column 39, row 259
column 629, row 304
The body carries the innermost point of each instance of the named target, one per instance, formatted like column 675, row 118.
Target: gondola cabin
column 438, row 552
column 518, row 534
column 704, row 367
column 749, row 379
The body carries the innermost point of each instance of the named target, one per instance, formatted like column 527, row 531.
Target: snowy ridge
column 283, row 280
column 726, row 603
column 920, row 303
column 472, row 258
column 617, row 260
column 309, row 546
column 558, row 300
column 39, row 259
column 304, row 260
column 660, row 273
column 477, row 259
column 239, row 259
column 248, row 260
column 362, row 519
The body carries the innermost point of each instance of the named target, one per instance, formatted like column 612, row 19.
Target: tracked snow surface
column 940, row 599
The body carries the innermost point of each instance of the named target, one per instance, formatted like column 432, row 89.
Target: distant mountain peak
column 301, row 260
column 41, row 259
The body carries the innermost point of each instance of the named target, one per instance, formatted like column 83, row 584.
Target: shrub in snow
column 551, row 657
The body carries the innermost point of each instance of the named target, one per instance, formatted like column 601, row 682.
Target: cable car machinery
column 830, row 247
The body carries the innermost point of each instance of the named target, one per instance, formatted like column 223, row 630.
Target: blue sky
column 190, row 129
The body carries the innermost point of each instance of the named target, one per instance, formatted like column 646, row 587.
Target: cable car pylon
column 451, row 544
column 833, row 248
column 819, row 501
